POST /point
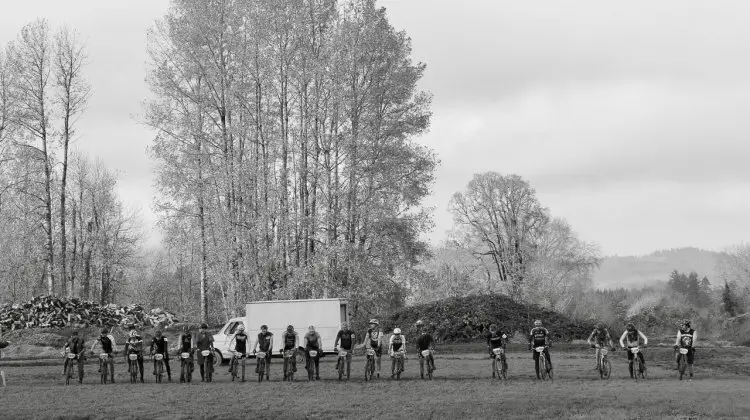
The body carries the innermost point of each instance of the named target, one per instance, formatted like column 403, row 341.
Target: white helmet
column 397, row 331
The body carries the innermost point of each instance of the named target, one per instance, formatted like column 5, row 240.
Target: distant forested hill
column 617, row 271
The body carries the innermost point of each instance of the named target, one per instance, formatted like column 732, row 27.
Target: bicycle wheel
column 133, row 371
column 504, row 367
column 261, row 369
column 243, row 369
column 683, row 366
column 68, row 373
column 606, row 368
column 233, row 368
column 368, row 369
column 185, row 372
column 543, row 366
column 342, row 365
column 429, row 368
column 637, row 368
column 159, row 371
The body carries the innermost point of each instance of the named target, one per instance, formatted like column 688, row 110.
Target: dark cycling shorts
column 690, row 355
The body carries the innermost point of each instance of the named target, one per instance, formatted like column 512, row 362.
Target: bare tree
column 73, row 94
column 499, row 217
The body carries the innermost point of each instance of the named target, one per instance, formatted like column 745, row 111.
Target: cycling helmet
column 686, row 322
column 241, row 327
column 133, row 333
column 374, row 321
column 105, row 331
column 290, row 328
column 630, row 326
column 493, row 327
column 397, row 331
column 311, row 328
column 599, row 326
column 538, row 323
column 204, row 326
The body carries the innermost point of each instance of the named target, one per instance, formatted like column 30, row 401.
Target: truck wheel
column 218, row 359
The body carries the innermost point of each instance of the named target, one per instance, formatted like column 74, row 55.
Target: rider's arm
column 296, row 340
column 622, row 339
column 305, row 340
column 94, row 345
column 547, row 340
column 336, row 342
column 695, row 337
column 643, row 336
column 679, row 335
column 234, row 337
column 590, row 337
column 257, row 342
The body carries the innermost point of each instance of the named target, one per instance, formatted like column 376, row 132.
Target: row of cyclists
column 374, row 339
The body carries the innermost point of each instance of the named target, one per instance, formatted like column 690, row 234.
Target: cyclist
column 539, row 336
column 374, row 340
column 495, row 339
column 74, row 345
column 397, row 343
column 686, row 337
column 186, row 346
column 135, row 345
column 240, row 342
column 205, row 341
column 290, row 338
column 346, row 337
column 107, row 342
column 425, row 342
column 634, row 337
column 598, row 339
column 264, row 343
column 162, row 346
column 314, row 342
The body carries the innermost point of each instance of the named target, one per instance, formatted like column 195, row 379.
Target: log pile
column 55, row 312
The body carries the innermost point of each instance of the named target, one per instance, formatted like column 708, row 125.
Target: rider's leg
column 377, row 359
column 690, row 355
column 598, row 355
column 643, row 360
column 316, row 360
column 536, row 363
column 393, row 366
column 154, row 368
column 630, row 363
column 348, row 363
column 111, row 369
column 169, row 370
column 549, row 359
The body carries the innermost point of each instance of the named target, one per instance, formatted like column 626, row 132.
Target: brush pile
column 55, row 312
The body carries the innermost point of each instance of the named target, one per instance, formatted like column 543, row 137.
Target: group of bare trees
column 287, row 167
column 505, row 241
column 63, row 229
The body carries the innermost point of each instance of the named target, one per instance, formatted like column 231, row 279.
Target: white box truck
column 326, row 315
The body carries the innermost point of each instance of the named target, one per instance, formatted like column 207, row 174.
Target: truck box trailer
column 326, row 315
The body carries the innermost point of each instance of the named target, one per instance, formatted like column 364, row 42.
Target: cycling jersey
column 633, row 338
column 240, row 342
column 107, row 343
column 346, row 338
column 538, row 336
column 205, row 341
column 160, row 344
column 313, row 340
column 424, row 342
column 186, row 343
column 397, row 342
column 289, row 339
column 74, row 345
column 686, row 338
column 600, row 337
column 495, row 340
column 373, row 339
column 264, row 341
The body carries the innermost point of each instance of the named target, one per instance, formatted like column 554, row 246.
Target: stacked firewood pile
column 55, row 312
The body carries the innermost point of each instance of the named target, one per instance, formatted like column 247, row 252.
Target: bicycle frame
column 543, row 362
column 498, row 356
column 289, row 355
column 207, row 366
column 370, row 364
column 133, row 366
column 342, row 364
column 104, row 362
column 185, row 365
column 159, row 359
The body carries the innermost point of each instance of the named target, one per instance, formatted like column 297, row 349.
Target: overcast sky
column 631, row 120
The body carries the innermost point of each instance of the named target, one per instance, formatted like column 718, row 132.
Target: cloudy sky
column 631, row 120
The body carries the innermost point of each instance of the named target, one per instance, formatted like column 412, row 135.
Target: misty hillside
column 617, row 271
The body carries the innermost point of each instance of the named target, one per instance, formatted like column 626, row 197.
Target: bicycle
column 399, row 357
column 499, row 370
column 638, row 369
column 682, row 361
column 261, row 365
column 289, row 356
column 207, row 365
column 426, row 357
column 342, row 362
column 186, row 365
column 310, row 364
column 104, row 367
column 605, row 367
column 72, row 358
column 133, row 367
column 236, row 358
column 544, row 372
column 370, row 364
column 159, row 368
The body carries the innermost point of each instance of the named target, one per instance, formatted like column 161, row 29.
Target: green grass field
column 462, row 388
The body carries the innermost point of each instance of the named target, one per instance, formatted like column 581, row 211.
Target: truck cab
column 326, row 315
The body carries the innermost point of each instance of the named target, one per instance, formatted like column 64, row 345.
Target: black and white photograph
column 403, row 209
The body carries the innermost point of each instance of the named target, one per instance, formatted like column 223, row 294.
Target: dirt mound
column 469, row 318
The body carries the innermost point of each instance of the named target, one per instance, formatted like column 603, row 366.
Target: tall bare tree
column 73, row 92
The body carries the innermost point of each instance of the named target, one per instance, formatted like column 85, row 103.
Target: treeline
column 65, row 232
column 286, row 161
